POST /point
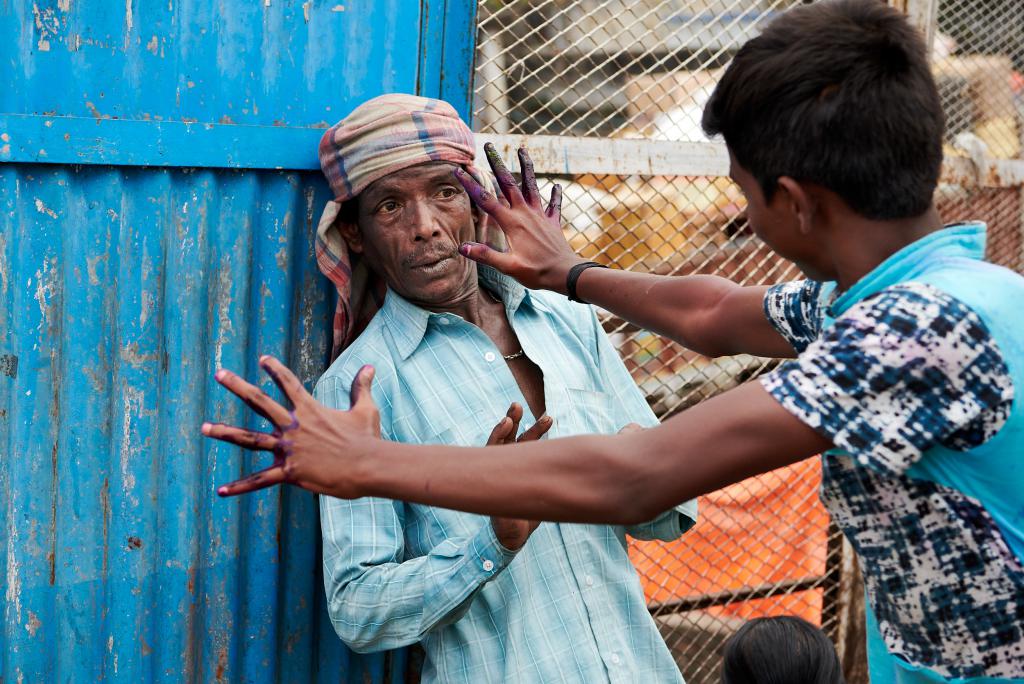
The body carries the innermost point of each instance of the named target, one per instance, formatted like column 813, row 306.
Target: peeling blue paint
column 157, row 212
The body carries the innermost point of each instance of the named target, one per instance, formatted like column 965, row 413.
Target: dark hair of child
column 780, row 650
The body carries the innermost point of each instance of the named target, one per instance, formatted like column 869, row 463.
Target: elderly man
column 453, row 344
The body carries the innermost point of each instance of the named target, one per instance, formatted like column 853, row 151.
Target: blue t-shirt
column 902, row 371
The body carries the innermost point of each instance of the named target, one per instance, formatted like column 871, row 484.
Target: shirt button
column 590, row 581
column 443, row 320
column 614, row 658
column 489, row 356
column 488, row 565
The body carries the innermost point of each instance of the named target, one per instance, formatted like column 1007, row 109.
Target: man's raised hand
column 505, row 430
column 538, row 255
column 314, row 447
column 512, row 533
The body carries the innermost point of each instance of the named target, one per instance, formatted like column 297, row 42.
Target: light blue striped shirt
column 568, row 607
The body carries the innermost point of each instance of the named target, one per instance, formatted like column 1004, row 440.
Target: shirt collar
column 964, row 240
column 408, row 323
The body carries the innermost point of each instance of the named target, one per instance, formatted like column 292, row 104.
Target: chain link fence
column 593, row 72
column 978, row 58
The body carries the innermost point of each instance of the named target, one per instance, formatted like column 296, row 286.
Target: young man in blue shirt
column 908, row 347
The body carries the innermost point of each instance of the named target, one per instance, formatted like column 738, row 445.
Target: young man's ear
column 352, row 235
column 801, row 203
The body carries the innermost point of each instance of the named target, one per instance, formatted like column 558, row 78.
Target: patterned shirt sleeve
column 794, row 309
column 900, row 372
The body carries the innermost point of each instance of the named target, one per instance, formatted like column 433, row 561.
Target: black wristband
column 574, row 275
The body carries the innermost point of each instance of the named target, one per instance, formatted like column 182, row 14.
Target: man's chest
column 452, row 390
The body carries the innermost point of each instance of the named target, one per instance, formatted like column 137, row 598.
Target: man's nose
column 425, row 222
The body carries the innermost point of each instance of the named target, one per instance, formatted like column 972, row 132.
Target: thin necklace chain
column 509, row 357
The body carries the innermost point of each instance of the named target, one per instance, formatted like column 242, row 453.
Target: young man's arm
column 740, row 433
column 708, row 314
column 376, row 598
column 632, row 409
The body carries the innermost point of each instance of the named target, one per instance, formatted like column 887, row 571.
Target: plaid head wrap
column 381, row 136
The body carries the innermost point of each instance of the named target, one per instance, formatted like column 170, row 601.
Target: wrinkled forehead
column 411, row 178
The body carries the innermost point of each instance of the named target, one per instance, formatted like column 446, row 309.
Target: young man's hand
column 314, row 447
column 512, row 533
column 538, row 255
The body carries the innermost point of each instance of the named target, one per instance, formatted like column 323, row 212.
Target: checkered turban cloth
column 381, row 136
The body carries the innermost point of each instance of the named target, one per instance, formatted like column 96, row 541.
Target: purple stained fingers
column 506, row 181
column 530, row 191
column 255, row 398
column 261, row 479
column 248, row 439
column 554, row 209
column 481, row 198
column 283, row 378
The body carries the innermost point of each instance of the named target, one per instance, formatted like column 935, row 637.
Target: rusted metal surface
column 123, row 292
column 924, row 15
column 554, row 154
column 213, row 84
column 125, row 283
column 983, row 172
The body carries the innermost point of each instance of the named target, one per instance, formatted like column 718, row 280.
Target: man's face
column 777, row 223
column 410, row 226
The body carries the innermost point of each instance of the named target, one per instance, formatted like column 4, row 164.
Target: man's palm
column 512, row 533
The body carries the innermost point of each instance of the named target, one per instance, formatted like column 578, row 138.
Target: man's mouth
column 433, row 265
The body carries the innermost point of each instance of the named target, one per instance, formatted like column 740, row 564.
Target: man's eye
column 387, row 207
column 447, row 192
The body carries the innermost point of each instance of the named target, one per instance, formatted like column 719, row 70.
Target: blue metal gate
column 158, row 198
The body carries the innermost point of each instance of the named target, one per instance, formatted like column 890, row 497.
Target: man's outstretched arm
column 621, row 479
column 706, row 313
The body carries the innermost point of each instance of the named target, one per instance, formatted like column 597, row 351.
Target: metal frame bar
column 924, row 14
column 762, row 591
column 126, row 142
column 568, row 156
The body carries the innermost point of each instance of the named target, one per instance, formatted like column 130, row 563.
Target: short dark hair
column 837, row 93
column 780, row 650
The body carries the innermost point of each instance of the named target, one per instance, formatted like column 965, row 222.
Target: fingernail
column 222, row 491
column 458, row 171
column 219, row 375
column 464, row 249
column 206, row 428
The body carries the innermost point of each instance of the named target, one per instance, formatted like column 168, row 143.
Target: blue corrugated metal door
column 158, row 197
